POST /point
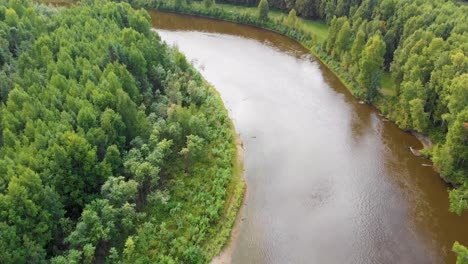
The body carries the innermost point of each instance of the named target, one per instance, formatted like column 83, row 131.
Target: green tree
column 307, row 8
column 343, row 40
column 118, row 191
column 419, row 117
column 86, row 118
column 356, row 50
column 292, row 18
column 30, row 215
column 451, row 157
column 193, row 150
column 462, row 253
column 263, row 10
column 335, row 27
column 371, row 64
column 208, row 3
column 75, row 171
column 458, row 96
column 11, row 18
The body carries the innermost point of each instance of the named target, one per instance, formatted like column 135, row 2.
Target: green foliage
column 451, row 157
column 208, row 3
column 179, row 4
column 292, row 18
column 462, row 253
column 263, row 9
column 356, row 51
column 102, row 85
column 105, row 131
column 343, row 40
column 371, row 67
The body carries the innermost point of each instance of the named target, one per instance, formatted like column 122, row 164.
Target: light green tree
column 371, row 67
column 419, row 117
column 356, row 50
column 462, row 253
column 263, row 9
column 292, row 18
column 343, row 40
column 451, row 158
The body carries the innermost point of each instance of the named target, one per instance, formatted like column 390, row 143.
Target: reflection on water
column 329, row 180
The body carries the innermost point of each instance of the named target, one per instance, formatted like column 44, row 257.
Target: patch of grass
column 388, row 85
column 318, row 28
column 235, row 195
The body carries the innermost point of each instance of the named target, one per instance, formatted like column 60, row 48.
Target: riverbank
column 233, row 216
column 220, row 248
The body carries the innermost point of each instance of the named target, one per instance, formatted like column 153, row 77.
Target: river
column 329, row 180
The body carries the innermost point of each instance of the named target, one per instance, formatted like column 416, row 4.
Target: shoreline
column 426, row 142
column 220, row 247
column 225, row 255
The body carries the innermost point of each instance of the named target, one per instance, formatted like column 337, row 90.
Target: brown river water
column 329, row 181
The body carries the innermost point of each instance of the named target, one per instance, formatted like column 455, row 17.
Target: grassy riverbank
column 222, row 230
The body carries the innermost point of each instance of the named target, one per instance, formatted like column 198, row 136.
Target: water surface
column 329, row 180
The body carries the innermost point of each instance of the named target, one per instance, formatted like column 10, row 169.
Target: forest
column 113, row 148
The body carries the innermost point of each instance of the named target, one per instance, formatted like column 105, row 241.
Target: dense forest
column 113, row 148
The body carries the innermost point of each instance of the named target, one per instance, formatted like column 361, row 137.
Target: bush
column 263, row 9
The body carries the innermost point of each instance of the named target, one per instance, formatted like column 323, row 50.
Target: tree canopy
column 113, row 148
